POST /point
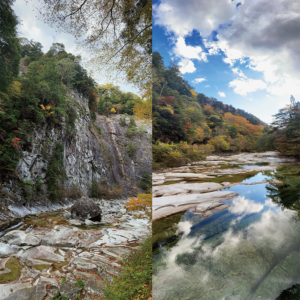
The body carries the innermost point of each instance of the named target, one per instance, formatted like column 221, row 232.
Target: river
column 231, row 232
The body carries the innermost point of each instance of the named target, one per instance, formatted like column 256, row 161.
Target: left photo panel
column 75, row 149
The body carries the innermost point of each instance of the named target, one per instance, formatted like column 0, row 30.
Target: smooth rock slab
column 94, row 288
column 36, row 293
column 5, row 250
column 165, row 206
column 185, row 188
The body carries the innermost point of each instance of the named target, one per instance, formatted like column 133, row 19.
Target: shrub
column 146, row 182
column 56, row 173
column 132, row 123
column 136, row 281
column 38, row 184
column 27, row 187
column 123, row 120
column 131, row 148
column 219, row 143
column 94, row 188
column 131, row 132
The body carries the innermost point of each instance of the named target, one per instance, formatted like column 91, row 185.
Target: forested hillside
column 182, row 115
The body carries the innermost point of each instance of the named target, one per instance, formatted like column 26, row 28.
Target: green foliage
column 131, row 149
column 292, row 293
column 112, row 97
column 9, row 155
column 94, row 188
column 123, row 120
column 136, row 281
column 63, row 281
column 176, row 155
column 57, row 296
column 146, row 182
column 27, row 187
column 286, row 129
column 131, row 132
column 38, row 184
column 9, row 45
column 265, row 142
column 98, row 129
column 79, row 283
column 56, row 173
column 132, row 123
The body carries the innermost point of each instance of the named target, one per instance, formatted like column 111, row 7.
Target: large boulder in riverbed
column 86, row 208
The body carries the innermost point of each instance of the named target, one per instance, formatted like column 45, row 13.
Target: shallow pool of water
column 250, row 251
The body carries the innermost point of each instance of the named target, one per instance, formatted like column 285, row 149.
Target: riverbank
column 49, row 248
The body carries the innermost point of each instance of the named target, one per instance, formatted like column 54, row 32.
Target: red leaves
column 52, row 103
column 15, row 142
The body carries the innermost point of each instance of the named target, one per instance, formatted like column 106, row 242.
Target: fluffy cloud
column 186, row 66
column 198, row 80
column 243, row 86
column 181, row 49
column 265, row 32
column 182, row 17
column 222, row 94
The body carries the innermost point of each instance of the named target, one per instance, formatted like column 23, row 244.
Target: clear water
column 250, row 251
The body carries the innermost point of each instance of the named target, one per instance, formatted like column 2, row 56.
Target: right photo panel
column 226, row 149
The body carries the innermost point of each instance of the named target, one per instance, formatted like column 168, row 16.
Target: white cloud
column 182, row 50
column 204, row 16
column 222, row 94
column 207, row 86
column 186, row 66
column 243, row 86
column 265, row 33
column 198, row 80
column 238, row 72
column 241, row 205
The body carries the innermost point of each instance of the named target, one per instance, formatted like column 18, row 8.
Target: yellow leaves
column 143, row 109
column 42, row 106
column 193, row 93
column 142, row 203
column 113, row 110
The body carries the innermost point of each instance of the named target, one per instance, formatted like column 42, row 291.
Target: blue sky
column 219, row 44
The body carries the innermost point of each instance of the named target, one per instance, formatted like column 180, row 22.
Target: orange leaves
column 208, row 110
column 142, row 203
column 243, row 125
column 15, row 142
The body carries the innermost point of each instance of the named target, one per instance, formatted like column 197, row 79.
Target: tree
column 121, row 41
column 66, row 69
column 9, row 45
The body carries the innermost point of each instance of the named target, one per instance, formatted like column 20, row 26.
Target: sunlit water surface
column 250, row 251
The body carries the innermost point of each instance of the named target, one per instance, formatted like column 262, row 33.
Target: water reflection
column 250, row 251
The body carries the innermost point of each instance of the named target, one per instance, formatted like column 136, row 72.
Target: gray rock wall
column 88, row 154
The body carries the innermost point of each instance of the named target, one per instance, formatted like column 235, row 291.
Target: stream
column 228, row 232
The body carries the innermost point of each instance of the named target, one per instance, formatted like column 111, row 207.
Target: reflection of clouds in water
column 270, row 203
column 185, row 227
column 242, row 205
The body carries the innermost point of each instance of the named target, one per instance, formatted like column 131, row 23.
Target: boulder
column 69, row 290
column 86, row 208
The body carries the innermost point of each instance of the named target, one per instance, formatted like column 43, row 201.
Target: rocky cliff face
column 96, row 150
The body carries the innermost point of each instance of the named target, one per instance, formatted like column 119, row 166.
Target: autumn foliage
column 143, row 202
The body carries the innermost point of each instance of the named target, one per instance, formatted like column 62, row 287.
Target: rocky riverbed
column 49, row 252
column 179, row 189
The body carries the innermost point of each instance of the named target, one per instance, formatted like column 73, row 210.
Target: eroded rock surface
column 65, row 252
